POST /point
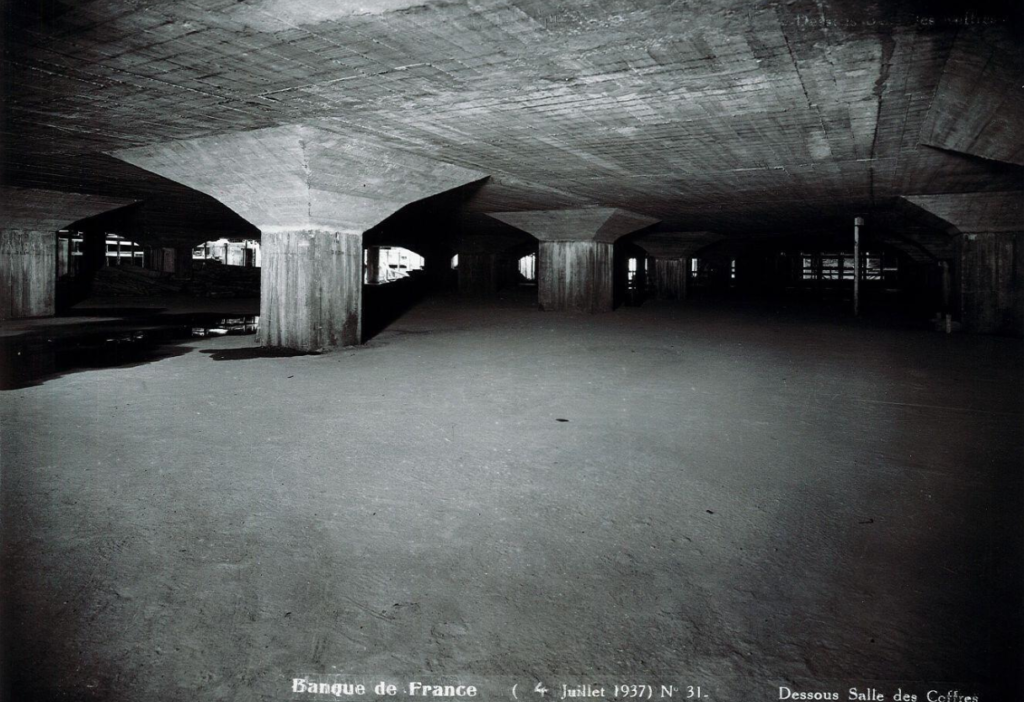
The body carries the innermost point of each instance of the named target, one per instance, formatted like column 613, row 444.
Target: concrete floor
column 685, row 494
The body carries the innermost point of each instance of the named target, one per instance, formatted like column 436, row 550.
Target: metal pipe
column 858, row 222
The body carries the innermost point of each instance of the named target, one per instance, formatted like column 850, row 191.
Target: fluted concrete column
column 575, row 261
column 28, row 273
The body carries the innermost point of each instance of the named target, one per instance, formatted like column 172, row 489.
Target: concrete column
column 575, row 259
column 164, row 257
column 311, row 290
column 29, row 222
column 373, row 265
column 946, row 272
column 991, row 256
column 28, row 273
column 485, row 263
column 672, row 252
column 307, row 191
column 992, row 293
column 575, row 276
column 479, row 273
column 63, row 256
column 183, row 261
column 670, row 278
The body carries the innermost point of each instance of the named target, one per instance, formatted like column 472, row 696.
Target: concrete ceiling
column 735, row 116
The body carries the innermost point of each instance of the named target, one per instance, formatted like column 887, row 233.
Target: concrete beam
column 978, row 106
column 51, row 210
column 975, row 212
column 676, row 245
column 600, row 224
column 301, row 178
column 910, row 248
column 575, row 262
column 487, row 243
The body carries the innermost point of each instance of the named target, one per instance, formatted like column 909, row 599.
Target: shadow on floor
column 385, row 304
column 251, row 352
column 51, row 351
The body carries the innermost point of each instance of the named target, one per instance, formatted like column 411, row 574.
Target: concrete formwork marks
column 575, row 276
column 311, row 290
column 28, row 267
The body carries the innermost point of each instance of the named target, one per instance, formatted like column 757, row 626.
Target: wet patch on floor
column 245, row 354
column 50, row 352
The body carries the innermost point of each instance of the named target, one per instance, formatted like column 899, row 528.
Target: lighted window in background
column 528, row 267
column 393, row 263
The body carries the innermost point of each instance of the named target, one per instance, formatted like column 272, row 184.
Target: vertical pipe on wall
column 858, row 222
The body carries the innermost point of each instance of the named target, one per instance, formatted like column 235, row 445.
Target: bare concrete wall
column 992, row 281
column 575, row 276
column 28, row 273
column 311, row 290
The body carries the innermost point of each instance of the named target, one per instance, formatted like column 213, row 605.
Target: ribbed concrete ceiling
column 725, row 115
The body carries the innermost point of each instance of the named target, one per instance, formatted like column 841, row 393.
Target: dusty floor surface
column 666, row 493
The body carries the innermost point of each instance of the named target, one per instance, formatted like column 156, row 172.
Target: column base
column 575, row 276
column 28, row 274
column 670, row 278
column 993, row 283
column 311, row 290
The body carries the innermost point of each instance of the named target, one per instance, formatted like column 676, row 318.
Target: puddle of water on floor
column 31, row 358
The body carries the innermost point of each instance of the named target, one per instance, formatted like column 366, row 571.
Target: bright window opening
column 633, row 269
column 528, row 267
column 120, row 251
column 230, row 252
column 386, row 264
column 839, row 266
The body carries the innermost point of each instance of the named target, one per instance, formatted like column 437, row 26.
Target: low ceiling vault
column 721, row 115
